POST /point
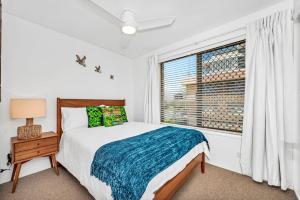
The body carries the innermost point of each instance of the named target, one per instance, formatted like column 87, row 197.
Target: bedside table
column 26, row 150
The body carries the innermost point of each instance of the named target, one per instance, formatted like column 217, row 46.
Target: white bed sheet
column 78, row 146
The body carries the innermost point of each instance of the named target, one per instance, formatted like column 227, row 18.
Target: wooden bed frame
column 168, row 189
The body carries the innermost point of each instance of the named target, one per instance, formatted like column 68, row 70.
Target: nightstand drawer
column 28, row 154
column 19, row 147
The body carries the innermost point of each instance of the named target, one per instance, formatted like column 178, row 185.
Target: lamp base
column 29, row 132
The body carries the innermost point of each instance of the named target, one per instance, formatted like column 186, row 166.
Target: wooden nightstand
column 25, row 150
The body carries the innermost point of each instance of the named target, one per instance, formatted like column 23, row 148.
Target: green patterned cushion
column 112, row 116
column 94, row 116
column 123, row 113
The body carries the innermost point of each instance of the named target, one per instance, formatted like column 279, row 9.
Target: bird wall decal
column 98, row 69
column 81, row 61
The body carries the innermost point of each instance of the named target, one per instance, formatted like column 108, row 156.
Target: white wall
column 38, row 62
column 225, row 149
column 297, row 146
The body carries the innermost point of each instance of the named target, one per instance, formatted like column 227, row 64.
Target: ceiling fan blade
column 104, row 12
column 155, row 23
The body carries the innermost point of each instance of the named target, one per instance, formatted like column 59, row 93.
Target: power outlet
column 9, row 159
column 8, row 163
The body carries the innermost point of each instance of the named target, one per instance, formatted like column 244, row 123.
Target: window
column 205, row 89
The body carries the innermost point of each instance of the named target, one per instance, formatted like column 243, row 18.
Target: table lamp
column 28, row 109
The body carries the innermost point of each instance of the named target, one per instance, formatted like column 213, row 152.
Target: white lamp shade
column 27, row 108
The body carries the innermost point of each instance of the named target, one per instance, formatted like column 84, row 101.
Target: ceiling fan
column 124, row 19
column 127, row 21
column 130, row 25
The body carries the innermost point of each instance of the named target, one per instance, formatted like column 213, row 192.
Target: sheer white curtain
column 269, row 60
column 152, row 98
column 297, row 61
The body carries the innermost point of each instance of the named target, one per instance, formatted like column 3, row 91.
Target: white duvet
column 78, row 146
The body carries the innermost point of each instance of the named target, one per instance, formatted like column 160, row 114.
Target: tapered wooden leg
column 203, row 163
column 13, row 173
column 51, row 162
column 54, row 164
column 16, row 177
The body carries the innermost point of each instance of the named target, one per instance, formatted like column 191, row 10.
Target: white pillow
column 74, row 118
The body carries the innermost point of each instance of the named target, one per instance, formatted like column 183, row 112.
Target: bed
column 78, row 147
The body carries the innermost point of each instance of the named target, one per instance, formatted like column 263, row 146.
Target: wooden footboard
column 167, row 191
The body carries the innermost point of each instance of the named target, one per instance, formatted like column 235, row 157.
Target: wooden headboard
column 75, row 103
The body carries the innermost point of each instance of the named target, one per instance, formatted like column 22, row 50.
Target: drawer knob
column 38, row 151
column 38, row 144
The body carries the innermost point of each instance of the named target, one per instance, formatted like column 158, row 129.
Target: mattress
column 78, row 147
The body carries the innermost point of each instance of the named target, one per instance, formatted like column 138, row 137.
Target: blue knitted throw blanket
column 128, row 165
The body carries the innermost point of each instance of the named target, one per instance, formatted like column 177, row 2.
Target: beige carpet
column 215, row 184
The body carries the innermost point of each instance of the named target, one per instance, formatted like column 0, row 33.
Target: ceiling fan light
column 127, row 29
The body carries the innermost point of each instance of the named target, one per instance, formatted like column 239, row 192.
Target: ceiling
column 81, row 19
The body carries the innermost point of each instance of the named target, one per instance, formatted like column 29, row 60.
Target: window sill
column 210, row 131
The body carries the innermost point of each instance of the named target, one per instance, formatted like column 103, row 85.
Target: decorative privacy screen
column 205, row 89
